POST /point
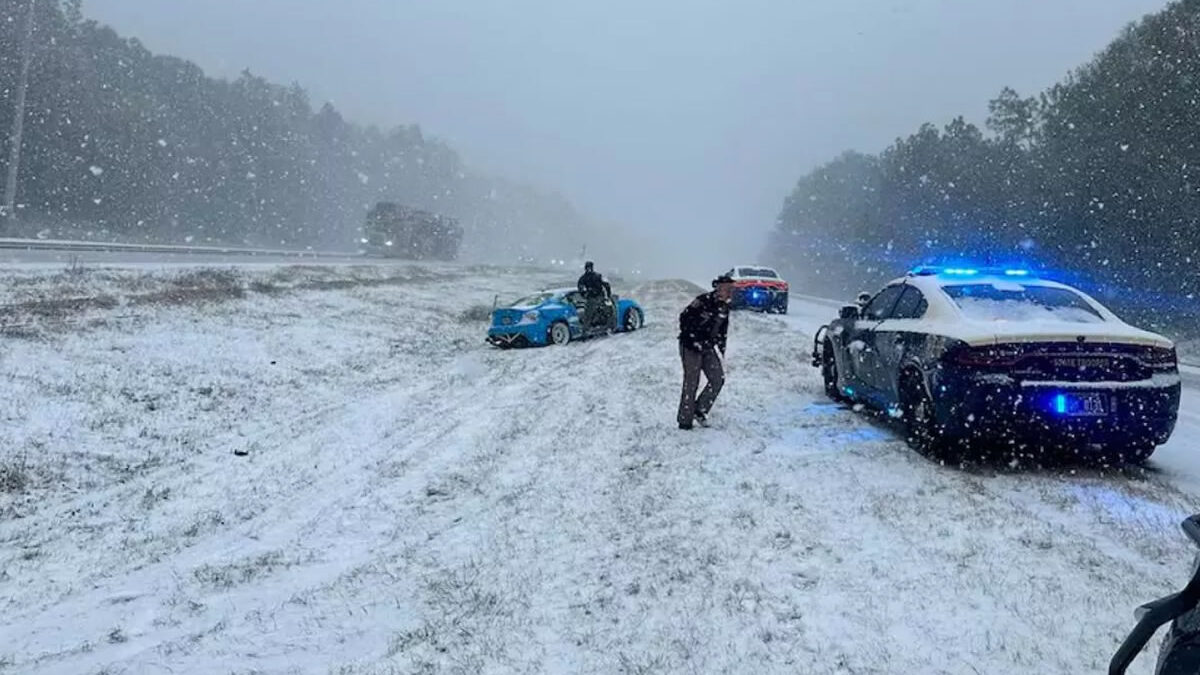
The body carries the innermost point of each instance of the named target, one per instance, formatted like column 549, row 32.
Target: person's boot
column 702, row 419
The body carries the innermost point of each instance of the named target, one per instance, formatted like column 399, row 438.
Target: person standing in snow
column 703, row 329
column 591, row 285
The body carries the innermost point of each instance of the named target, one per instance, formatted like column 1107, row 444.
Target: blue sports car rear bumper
column 519, row 335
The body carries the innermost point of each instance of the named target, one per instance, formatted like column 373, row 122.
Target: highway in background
column 65, row 253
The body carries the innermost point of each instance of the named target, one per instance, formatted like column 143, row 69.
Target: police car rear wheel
column 921, row 429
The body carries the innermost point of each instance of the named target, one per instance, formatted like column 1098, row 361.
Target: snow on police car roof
column 983, row 307
column 750, row 271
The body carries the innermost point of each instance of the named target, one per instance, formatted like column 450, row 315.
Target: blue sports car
column 554, row 316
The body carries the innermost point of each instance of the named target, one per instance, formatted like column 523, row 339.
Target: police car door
column 899, row 332
column 864, row 343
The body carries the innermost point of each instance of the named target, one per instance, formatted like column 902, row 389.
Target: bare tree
column 14, row 140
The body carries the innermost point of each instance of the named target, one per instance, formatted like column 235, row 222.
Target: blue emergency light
column 1060, row 404
column 936, row 270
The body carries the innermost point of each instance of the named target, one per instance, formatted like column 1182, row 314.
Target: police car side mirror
column 848, row 312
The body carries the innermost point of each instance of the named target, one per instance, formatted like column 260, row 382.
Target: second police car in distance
column 759, row 288
column 974, row 358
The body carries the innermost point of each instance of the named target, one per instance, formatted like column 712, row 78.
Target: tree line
column 1096, row 179
column 121, row 143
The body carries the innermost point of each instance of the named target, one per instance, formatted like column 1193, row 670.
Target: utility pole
column 14, row 140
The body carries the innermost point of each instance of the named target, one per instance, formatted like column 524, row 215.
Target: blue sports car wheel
column 633, row 320
column 560, row 334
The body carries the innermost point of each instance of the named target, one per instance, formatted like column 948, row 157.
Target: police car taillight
column 1161, row 358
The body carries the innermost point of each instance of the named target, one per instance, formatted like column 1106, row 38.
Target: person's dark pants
column 695, row 362
column 591, row 312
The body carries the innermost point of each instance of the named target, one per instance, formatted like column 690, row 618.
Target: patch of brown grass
column 35, row 316
column 55, row 308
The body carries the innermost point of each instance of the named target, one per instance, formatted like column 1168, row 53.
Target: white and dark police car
column 972, row 359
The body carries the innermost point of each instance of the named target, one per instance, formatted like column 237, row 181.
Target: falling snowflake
column 96, row 171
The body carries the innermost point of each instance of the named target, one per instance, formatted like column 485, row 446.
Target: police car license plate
column 1082, row 405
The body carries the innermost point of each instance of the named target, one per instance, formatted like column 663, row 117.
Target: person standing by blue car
column 703, row 331
column 593, row 287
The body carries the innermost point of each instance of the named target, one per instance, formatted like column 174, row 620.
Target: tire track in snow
column 284, row 466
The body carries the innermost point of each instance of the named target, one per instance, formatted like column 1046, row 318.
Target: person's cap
column 588, row 265
column 723, row 279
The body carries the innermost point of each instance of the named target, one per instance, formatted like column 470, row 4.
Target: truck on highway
column 398, row 231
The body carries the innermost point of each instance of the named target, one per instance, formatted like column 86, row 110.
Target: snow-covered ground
column 324, row 470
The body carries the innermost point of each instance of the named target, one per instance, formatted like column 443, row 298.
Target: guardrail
column 819, row 300
column 68, row 245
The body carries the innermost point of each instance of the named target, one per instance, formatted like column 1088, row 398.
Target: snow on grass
column 337, row 475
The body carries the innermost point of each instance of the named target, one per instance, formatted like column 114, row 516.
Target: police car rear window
column 1013, row 302
column 757, row 272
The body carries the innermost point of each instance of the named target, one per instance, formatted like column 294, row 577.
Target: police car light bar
column 933, row 270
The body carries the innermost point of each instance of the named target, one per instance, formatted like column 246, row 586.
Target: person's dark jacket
column 591, row 284
column 704, row 323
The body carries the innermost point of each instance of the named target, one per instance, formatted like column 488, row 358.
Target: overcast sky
column 690, row 118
